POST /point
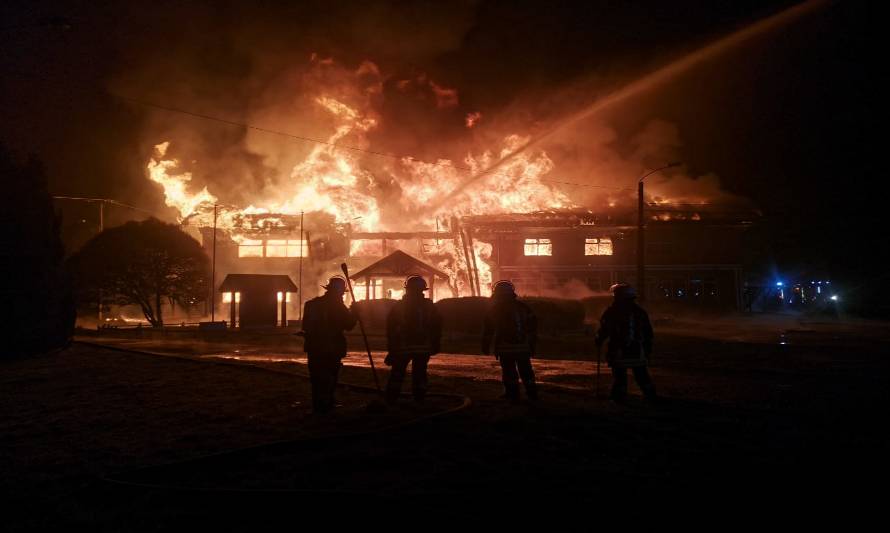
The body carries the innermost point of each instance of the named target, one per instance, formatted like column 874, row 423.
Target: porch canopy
column 399, row 265
column 263, row 283
column 259, row 304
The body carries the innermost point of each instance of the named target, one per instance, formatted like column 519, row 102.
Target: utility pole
column 213, row 271
column 101, row 229
column 641, row 231
column 641, row 245
column 300, row 278
column 102, row 202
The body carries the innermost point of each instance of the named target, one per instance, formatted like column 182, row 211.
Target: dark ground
column 747, row 424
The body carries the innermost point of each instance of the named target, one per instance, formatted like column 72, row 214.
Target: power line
column 321, row 141
column 589, row 185
column 105, row 200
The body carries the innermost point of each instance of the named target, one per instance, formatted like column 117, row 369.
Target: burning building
column 694, row 254
column 497, row 215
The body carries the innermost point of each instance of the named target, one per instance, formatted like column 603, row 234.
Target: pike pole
column 361, row 326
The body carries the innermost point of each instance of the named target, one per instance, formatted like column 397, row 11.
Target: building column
column 233, row 304
column 284, row 309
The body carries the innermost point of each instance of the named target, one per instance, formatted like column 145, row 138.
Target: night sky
column 785, row 120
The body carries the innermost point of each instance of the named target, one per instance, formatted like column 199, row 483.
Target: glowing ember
column 472, row 119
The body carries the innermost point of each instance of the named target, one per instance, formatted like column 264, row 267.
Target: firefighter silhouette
column 627, row 328
column 513, row 327
column 325, row 319
column 413, row 334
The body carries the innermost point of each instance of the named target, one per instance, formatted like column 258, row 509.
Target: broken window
column 598, row 246
column 538, row 247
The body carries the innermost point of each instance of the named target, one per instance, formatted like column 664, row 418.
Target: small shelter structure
column 397, row 265
column 257, row 300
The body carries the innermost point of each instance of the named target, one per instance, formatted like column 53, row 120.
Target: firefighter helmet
column 336, row 284
column 415, row 283
column 504, row 287
column 623, row 290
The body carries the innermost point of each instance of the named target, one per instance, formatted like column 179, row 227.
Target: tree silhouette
column 37, row 310
column 142, row 263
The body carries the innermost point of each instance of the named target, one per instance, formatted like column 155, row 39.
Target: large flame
column 163, row 171
column 331, row 180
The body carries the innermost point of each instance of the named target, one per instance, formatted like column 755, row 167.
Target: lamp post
column 641, row 228
column 213, row 270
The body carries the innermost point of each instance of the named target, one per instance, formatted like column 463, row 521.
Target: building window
column 287, row 248
column 276, row 248
column 250, row 248
column 538, row 247
column 297, row 248
column 598, row 246
column 227, row 297
column 361, row 290
column 273, row 248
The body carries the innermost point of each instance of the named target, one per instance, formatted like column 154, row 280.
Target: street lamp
column 641, row 270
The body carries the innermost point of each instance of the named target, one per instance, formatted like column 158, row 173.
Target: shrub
column 463, row 315
column 556, row 314
column 373, row 313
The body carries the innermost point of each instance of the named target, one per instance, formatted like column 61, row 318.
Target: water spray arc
column 643, row 85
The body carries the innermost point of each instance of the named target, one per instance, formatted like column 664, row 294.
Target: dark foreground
column 746, row 425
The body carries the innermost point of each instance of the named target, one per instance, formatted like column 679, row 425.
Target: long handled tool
column 361, row 326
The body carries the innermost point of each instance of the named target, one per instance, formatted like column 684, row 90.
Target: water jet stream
column 646, row 83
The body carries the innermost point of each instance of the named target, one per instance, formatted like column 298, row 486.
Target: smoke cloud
column 270, row 74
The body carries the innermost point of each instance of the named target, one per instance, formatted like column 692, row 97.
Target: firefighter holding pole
column 325, row 320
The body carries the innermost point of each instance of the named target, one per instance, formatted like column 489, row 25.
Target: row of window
column 298, row 248
column 592, row 246
column 274, row 248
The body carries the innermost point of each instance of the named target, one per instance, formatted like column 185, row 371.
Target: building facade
column 694, row 256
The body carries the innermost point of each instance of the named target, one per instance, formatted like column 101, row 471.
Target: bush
column 373, row 313
column 463, row 315
column 595, row 306
column 556, row 314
